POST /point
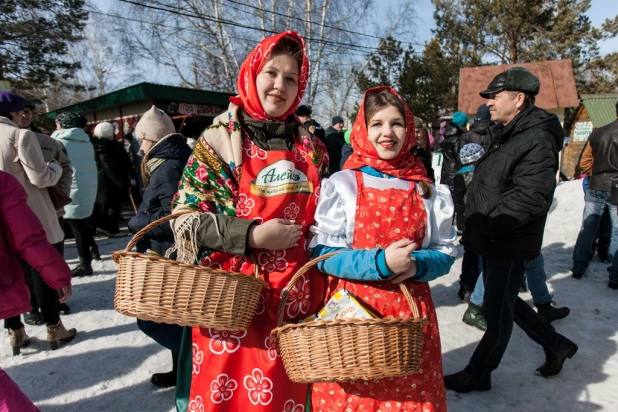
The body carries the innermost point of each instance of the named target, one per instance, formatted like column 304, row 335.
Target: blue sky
column 598, row 12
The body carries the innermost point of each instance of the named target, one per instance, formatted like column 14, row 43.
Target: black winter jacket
column 157, row 201
column 334, row 143
column 424, row 157
column 450, row 154
column 114, row 169
column 461, row 182
column 513, row 187
column 604, row 143
column 478, row 133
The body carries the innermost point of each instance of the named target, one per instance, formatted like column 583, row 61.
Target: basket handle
column 286, row 292
column 139, row 235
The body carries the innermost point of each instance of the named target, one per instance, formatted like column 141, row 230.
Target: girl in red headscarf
column 253, row 181
column 390, row 225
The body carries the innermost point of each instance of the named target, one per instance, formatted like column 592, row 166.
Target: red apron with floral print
column 384, row 216
column 242, row 371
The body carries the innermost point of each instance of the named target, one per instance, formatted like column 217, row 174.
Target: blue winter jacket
column 84, row 187
column 157, row 200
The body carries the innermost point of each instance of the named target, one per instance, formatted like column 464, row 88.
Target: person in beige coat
column 52, row 150
column 21, row 155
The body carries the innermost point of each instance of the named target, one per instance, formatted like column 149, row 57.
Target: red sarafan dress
column 362, row 211
column 228, row 372
column 384, row 216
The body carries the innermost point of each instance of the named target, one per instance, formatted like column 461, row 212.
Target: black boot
column 463, row 383
column 168, row 379
column 549, row 313
column 32, row 318
column 83, row 269
column 94, row 253
column 64, row 309
column 553, row 363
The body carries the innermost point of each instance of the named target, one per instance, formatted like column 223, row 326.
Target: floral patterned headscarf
column 248, row 97
column 404, row 165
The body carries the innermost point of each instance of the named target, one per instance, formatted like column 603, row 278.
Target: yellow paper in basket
column 309, row 319
column 343, row 305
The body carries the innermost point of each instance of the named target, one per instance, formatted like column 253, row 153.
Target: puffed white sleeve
column 441, row 235
column 330, row 224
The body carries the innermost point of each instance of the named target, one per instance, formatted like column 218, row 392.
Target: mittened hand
column 275, row 234
column 398, row 255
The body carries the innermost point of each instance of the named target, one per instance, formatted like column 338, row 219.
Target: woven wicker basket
column 162, row 290
column 343, row 350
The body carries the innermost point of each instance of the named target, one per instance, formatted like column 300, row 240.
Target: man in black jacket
column 507, row 205
column 602, row 152
column 334, row 143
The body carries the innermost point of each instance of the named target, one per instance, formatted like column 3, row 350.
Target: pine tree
column 34, row 39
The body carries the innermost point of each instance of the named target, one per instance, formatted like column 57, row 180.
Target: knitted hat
column 460, row 119
column 154, row 125
column 303, row 110
column 71, row 120
column 346, row 135
column 471, row 152
column 418, row 122
column 517, row 79
column 104, row 130
column 337, row 119
column 11, row 102
column 483, row 112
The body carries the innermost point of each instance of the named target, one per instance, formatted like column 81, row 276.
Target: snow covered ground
column 108, row 365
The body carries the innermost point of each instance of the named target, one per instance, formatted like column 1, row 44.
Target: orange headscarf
column 404, row 165
column 248, row 97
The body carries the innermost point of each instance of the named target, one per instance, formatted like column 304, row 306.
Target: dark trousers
column 166, row 335
column 82, row 231
column 13, row 323
column 60, row 248
column 107, row 216
column 470, row 269
column 502, row 307
column 44, row 298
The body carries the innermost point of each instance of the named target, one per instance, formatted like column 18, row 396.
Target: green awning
column 600, row 107
column 145, row 91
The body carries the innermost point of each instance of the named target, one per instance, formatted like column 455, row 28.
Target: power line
column 234, row 24
column 313, row 22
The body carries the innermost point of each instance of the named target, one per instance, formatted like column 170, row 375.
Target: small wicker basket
column 343, row 350
column 162, row 290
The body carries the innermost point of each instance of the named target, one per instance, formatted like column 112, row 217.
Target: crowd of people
column 367, row 193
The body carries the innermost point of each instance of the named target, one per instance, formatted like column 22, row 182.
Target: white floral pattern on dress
column 298, row 300
column 196, row 405
column 244, row 205
column 272, row 260
column 222, row 388
column 273, row 349
column 225, row 340
column 291, row 211
column 254, row 151
column 291, row 406
column 259, row 388
column 198, row 358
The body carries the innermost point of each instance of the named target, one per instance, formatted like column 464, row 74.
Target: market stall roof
column 146, row 91
column 600, row 107
column 556, row 76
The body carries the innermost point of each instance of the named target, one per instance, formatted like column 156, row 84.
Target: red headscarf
column 404, row 165
column 248, row 97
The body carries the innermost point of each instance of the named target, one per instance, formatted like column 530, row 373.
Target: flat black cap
column 517, row 79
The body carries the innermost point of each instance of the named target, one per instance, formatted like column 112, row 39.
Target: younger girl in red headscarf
column 391, row 226
column 253, row 186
